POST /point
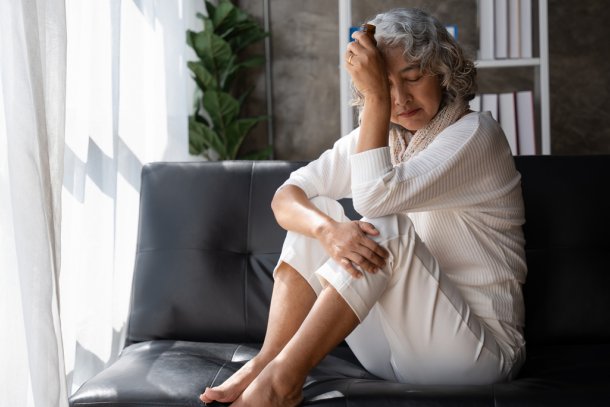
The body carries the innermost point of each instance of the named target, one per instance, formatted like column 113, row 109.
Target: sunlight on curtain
column 32, row 92
column 127, row 103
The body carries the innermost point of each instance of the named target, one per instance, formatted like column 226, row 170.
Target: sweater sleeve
column 330, row 174
column 468, row 164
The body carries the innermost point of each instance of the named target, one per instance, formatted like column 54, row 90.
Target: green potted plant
column 216, row 127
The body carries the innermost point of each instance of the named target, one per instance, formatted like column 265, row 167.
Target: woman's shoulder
column 475, row 125
column 473, row 134
column 476, row 120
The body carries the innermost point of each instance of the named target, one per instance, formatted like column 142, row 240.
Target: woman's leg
column 294, row 291
column 291, row 300
column 431, row 336
column 280, row 383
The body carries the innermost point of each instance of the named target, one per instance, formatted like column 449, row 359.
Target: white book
column 486, row 29
column 501, row 28
column 475, row 103
column 508, row 119
column 489, row 103
column 526, row 133
column 525, row 22
column 514, row 29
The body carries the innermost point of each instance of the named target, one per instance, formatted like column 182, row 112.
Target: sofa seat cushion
column 174, row 373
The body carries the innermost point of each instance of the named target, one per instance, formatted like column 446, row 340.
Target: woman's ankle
column 285, row 380
column 266, row 355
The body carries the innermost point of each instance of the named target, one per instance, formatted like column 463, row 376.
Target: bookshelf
column 538, row 63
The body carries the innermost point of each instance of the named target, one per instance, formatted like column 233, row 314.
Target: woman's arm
column 467, row 165
column 368, row 71
column 294, row 211
column 346, row 242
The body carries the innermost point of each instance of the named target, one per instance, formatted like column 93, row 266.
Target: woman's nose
column 400, row 95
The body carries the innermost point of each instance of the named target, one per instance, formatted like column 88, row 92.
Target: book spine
column 486, row 29
column 525, row 11
column 525, row 123
column 501, row 29
column 514, row 29
column 508, row 119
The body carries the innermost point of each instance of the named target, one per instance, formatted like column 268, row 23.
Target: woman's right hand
column 366, row 66
column 349, row 244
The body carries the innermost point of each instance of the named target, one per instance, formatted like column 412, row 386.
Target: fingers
column 350, row 245
column 361, row 46
column 349, row 267
column 366, row 254
column 356, row 264
column 371, row 260
column 362, row 39
column 365, row 258
column 377, row 249
column 368, row 228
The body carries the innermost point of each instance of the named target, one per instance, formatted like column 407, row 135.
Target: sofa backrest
column 208, row 243
column 567, row 248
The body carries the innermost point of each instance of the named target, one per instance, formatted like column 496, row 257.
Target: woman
column 427, row 287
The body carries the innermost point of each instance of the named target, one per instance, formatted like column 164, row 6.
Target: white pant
column 415, row 326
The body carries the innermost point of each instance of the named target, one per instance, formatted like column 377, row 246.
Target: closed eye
column 414, row 79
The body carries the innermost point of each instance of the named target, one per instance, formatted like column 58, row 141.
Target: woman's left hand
column 366, row 66
column 350, row 244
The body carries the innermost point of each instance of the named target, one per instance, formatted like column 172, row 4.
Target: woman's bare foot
column 230, row 390
column 273, row 387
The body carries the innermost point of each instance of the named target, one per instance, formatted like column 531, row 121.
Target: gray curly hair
column 427, row 42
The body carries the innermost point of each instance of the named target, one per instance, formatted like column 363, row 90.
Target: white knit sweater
column 463, row 195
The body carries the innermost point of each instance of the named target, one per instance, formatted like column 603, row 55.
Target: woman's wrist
column 375, row 122
column 378, row 98
column 321, row 228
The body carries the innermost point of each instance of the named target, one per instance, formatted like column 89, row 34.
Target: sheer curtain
column 127, row 102
column 32, row 94
column 89, row 92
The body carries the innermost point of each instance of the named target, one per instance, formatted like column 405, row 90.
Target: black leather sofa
column 207, row 245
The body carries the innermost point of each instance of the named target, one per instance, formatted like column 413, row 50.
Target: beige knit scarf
column 404, row 144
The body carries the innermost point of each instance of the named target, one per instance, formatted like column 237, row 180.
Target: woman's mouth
column 409, row 113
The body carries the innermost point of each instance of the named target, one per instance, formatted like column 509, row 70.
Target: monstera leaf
column 216, row 129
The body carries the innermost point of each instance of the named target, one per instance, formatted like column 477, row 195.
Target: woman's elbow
column 280, row 202
column 276, row 204
column 367, row 209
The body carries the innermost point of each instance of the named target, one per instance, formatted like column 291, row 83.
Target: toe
column 215, row 394
column 209, row 395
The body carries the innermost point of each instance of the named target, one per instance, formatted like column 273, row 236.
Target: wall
column 305, row 71
column 580, row 76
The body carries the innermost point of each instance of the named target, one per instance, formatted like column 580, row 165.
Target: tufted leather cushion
column 207, row 244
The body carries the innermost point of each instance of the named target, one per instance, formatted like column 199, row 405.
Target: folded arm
column 348, row 243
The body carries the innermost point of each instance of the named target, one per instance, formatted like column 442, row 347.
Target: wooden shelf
column 506, row 63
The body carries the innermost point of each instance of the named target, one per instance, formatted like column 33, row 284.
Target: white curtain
column 115, row 71
column 32, row 94
column 128, row 98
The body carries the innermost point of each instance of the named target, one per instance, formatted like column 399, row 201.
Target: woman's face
column 415, row 97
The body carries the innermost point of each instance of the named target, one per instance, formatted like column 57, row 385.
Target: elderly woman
column 426, row 288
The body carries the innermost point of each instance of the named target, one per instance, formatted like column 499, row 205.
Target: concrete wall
column 305, row 71
column 579, row 42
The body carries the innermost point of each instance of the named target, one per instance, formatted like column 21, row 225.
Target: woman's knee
column 392, row 227
column 396, row 235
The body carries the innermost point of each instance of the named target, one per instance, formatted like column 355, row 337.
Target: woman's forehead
column 397, row 56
